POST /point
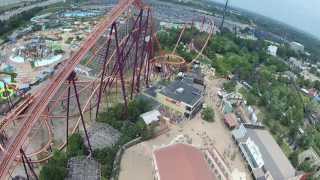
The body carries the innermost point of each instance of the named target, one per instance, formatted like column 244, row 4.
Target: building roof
column 182, row 91
column 83, row 168
column 273, row 50
column 230, row 119
column 275, row 161
column 102, row 135
column 181, row 161
column 151, row 116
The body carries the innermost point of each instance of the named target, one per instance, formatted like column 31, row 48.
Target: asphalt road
column 9, row 14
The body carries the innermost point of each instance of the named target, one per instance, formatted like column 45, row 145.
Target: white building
column 151, row 116
column 272, row 50
column 297, row 47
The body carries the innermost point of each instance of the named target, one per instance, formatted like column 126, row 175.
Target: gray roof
column 82, row 168
column 152, row 91
column 102, row 135
column 275, row 161
column 190, row 95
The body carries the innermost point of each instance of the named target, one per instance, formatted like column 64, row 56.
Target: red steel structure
column 122, row 52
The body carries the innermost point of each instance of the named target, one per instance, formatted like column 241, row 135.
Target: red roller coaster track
column 37, row 106
column 124, row 56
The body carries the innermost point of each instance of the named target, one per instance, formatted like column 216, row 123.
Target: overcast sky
column 303, row 14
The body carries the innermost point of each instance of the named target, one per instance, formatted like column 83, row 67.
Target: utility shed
column 151, row 116
column 101, row 135
column 82, row 168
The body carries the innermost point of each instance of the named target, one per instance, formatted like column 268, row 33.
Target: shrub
column 208, row 114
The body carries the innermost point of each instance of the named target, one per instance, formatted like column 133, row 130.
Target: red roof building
column 181, row 162
column 312, row 92
column 230, row 120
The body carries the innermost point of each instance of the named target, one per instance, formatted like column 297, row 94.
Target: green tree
column 294, row 158
column 105, row 157
column 229, row 86
column 75, row 146
column 306, row 167
column 137, row 107
column 55, row 169
column 208, row 114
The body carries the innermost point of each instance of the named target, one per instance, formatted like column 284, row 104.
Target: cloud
column 302, row 14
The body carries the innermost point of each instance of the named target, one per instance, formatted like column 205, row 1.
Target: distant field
column 10, row 2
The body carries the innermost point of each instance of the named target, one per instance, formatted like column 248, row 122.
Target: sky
column 302, row 14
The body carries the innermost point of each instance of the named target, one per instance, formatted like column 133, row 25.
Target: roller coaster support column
column 150, row 56
column 120, row 65
column 136, row 37
column 143, row 51
column 68, row 110
column 104, row 69
column 122, row 56
column 72, row 79
column 26, row 161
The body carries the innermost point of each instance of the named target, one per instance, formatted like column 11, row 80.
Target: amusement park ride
column 125, row 58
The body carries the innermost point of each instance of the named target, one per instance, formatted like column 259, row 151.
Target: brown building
column 181, row 162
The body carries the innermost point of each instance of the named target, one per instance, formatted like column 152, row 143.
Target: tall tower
column 224, row 14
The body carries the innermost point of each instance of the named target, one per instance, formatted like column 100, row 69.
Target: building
column 181, row 161
column 295, row 64
column 265, row 158
column 183, row 96
column 151, row 117
column 83, row 70
column 272, row 50
column 5, row 78
column 230, row 120
column 312, row 92
column 83, row 168
column 196, row 77
column 186, row 161
column 317, row 98
column 297, row 47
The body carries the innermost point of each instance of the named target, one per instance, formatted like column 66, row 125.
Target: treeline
column 311, row 43
column 17, row 21
column 276, row 94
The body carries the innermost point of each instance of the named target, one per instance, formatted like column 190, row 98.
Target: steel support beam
column 25, row 161
column 104, row 69
column 68, row 111
column 72, row 78
column 143, row 51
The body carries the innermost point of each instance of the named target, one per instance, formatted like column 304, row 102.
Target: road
column 10, row 14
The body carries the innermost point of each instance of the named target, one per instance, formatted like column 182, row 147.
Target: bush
column 208, row 114
column 56, row 168
column 305, row 167
column 229, row 86
column 75, row 146
column 106, row 157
